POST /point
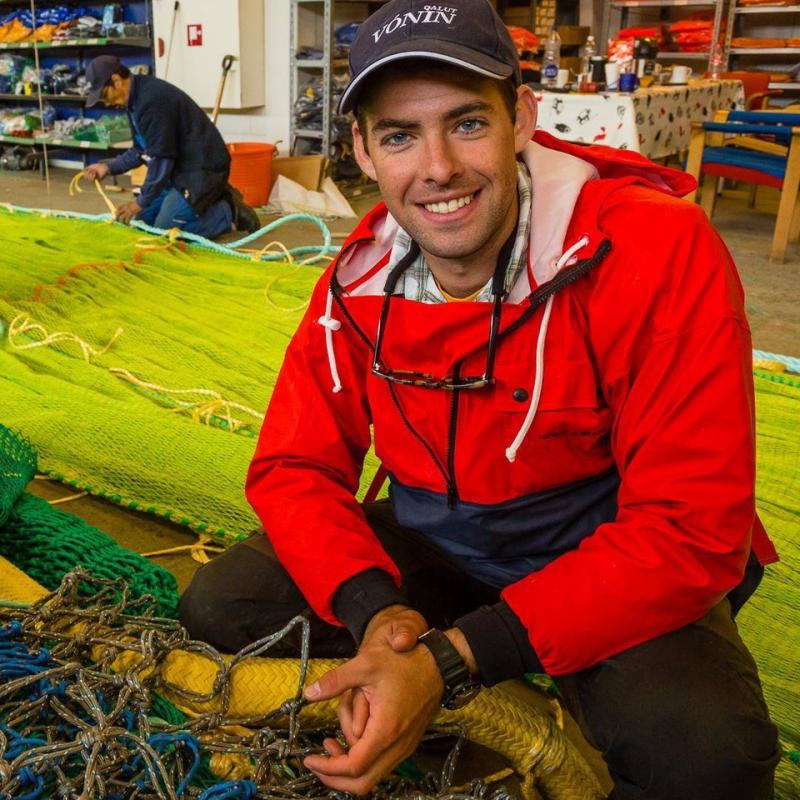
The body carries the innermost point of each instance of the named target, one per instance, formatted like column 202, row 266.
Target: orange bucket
column 251, row 170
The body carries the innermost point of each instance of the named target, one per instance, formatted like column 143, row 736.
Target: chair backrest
column 765, row 118
column 753, row 82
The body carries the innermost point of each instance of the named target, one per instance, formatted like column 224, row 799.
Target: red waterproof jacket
column 607, row 477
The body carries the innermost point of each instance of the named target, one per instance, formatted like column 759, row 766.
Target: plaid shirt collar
column 417, row 282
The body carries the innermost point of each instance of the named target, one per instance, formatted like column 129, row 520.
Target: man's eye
column 395, row 139
column 470, row 125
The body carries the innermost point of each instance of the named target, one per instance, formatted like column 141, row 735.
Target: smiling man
column 550, row 349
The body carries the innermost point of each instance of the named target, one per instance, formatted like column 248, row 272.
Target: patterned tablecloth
column 655, row 122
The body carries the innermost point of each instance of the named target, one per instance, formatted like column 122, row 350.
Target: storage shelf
column 57, row 98
column 318, row 63
column 308, row 133
column 760, row 51
column 784, row 85
column 660, row 3
column 64, row 142
column 675, row 54
column 768, row 10
column 100, row 41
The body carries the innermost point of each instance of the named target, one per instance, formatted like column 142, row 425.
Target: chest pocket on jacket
column 570, row 403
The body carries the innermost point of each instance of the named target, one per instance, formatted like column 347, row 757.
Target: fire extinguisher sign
column 194, row 35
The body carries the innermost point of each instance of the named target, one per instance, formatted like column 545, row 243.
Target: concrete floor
column 773, row 303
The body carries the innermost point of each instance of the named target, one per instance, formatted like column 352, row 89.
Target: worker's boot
column 244, row 218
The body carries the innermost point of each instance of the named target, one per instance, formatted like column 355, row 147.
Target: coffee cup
column 680, row 74
column 562, row 78
column 627, row 82
column 612, row 76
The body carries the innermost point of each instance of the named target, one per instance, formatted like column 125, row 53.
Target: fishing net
column 140, row 367
column 83, row 713
column 770, row 621
column 46, row 543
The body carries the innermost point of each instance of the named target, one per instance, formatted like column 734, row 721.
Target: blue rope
column 26, row 777
column 228, row 249
column 232, row 790
column 792, row 363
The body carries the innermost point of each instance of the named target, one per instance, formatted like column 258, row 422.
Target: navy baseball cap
column 99, row 73
column 465, row 33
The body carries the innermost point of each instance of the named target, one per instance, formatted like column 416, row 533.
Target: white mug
column 562, row 79
column 680, row 74
column 612, row 76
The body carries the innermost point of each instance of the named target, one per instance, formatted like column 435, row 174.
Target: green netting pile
column 770, row 621
column 46, row 543
column 164, row 418
column 147, row 421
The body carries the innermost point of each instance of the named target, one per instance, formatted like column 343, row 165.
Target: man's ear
column 525, row 123
column 362, row 154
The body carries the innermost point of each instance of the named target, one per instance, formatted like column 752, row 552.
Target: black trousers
column 681, row 717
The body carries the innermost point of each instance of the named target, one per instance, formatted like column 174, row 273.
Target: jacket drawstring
column 511, row 450
column 330, row 324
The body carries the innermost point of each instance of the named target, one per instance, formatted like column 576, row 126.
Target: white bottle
column 551, row 60
column 589, row 50
column 715, row 61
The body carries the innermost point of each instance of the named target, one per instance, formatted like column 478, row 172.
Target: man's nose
column 443, row 163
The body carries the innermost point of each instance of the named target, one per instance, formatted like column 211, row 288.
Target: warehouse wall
column 270, row 123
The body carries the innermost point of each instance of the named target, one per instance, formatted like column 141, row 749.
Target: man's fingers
column 364, row 758
column 404, row 638
column 346, row 717
column 333, row 747
column 349, row 676
column 360, row 713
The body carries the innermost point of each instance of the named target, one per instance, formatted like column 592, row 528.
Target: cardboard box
column 307, row 170
column 573, row 34
column 138, row 175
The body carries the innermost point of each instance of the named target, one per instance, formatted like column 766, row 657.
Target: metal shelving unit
column 140, row 12
column 617, row 17
column 745, row 57
column 312, row 23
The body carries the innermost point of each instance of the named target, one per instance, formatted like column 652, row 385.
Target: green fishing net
column 164, row 419
column 770, row 621
column 46, row 543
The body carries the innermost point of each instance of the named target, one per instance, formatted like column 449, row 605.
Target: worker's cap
column 465, row 33
column 99, row 73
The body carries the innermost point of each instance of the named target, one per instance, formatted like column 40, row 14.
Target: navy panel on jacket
column 500, row 544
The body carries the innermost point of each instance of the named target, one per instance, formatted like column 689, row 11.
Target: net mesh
column 165, row 418
column 46, row 543
column 770, row 622
column 120, row 421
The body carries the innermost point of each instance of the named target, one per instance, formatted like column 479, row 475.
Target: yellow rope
column 172, row 237
column 511, row 719
column 769, row 364
column 199, row 410
column 74, row 188
column 198, row 550
column 67, row 499
column 23, row 325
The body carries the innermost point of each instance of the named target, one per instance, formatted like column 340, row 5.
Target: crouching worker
column 550, row 349
column 188, row 164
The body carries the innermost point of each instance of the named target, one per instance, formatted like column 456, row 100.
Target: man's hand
column 397, row 627
column 401, row 693
column 96, row 172
column 127, row 212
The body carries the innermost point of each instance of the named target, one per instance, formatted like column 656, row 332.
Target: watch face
column 461, row 695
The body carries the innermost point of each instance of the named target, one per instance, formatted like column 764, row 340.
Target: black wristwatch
column 459, row 686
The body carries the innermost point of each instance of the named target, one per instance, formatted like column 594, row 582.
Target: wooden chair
column 756, row 147
column 756, row 88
